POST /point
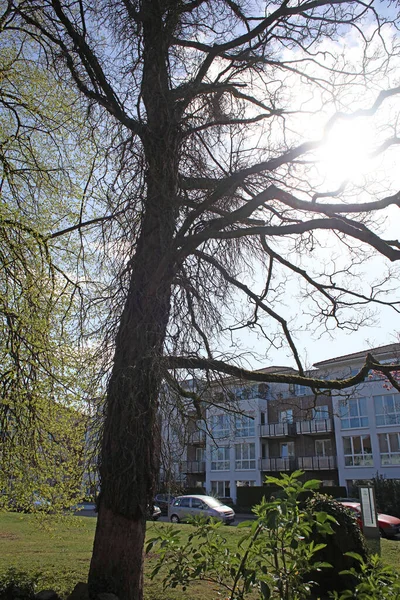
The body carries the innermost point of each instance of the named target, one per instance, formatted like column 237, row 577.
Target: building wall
column 292, row 428
column 355, row 417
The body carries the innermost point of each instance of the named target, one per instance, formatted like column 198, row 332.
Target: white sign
column 368, row 507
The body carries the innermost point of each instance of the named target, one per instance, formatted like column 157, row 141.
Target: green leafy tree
column 44, row 367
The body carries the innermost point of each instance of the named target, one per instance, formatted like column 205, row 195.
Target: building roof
column 390, row 351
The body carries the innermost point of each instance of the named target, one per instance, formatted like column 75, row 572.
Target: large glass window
column 245, row 456
column 387, row 409
column 287, row 449
column 244, row 426
column 323, row 447
column 320, row 412
column 357, row 451
column 220, row 459
column 353, row 413
column 221, row 489
column 302, row 390
column 200, row 454
column 286, row 416
column 389, row 446
column 220, row 426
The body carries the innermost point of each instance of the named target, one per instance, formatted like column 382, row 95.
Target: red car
column 388, row 526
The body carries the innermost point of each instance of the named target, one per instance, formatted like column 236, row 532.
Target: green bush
column 295, row 549
column 387, row 494
column 347, row 538
column 373, row 581
column 15, row 584
column 272, row 557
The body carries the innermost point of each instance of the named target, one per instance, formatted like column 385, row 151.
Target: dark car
column 163, row 501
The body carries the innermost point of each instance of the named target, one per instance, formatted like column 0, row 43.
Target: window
column 389, row 446
column 244, row 426
column 286, row 416
column 323, row 448
column 357, row 451
column 302, row 390
column 220, row 459
column 247, row 483
column 221, row 489
column 287, row 449
column 201, row 425
column 245, row 392
column 200, row 452
column 387, row 409
column 320, row 412
column 197, row 503
column 220, row 425
column 353, row 413
column 245, row 456
column 184, row 502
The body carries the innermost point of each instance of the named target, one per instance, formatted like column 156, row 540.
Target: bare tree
column 204, row 104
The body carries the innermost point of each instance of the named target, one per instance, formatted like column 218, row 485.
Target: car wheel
column 174, row 519
column 382, row 532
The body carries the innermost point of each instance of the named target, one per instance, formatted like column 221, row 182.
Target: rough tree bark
column 129, row 460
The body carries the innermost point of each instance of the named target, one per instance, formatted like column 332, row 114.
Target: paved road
column 88, row 510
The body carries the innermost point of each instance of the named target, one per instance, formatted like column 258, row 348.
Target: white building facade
column 367, row 420
column 251, row 430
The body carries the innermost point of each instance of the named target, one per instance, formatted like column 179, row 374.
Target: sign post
column 369, row 518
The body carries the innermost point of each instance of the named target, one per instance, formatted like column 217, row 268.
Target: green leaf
column 265, row 590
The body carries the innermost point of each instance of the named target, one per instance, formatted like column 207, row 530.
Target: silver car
column 205, row 506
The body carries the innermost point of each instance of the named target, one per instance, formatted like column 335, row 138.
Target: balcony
column 194, row 466
column 277, row 430
column 316, row 463
column 197, row 437
column 314, row 427
column 278, row 464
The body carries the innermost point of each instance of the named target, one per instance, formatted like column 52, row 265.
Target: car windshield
column 213, row 502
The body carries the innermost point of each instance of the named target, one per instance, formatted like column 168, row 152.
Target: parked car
column 388, row 526
column 206, row 506
column 163, row 501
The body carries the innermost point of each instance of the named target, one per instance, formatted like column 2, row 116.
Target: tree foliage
column 44, row 383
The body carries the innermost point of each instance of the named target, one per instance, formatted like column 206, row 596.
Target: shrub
column 387, row 494
column 17, row 584
column 373, row 581
column 347, row 538
column 273, row 555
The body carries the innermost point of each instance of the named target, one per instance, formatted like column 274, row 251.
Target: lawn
column 61, row 554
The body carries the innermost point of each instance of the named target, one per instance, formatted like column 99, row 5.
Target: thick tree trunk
column 129, row 454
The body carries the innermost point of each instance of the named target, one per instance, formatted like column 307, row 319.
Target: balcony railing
column 316, row 463
column 277, row 430
column 314, row 426
column 278, row 464
column 197, row 437
column 194, row 466
column 306, row 463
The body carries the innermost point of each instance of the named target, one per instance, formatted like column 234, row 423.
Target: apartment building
column 366, row 419
column 250, row 430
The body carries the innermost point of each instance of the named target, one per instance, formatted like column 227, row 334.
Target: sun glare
column 346, row 154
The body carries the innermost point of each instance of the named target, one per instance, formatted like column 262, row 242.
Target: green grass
column 62, row 554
